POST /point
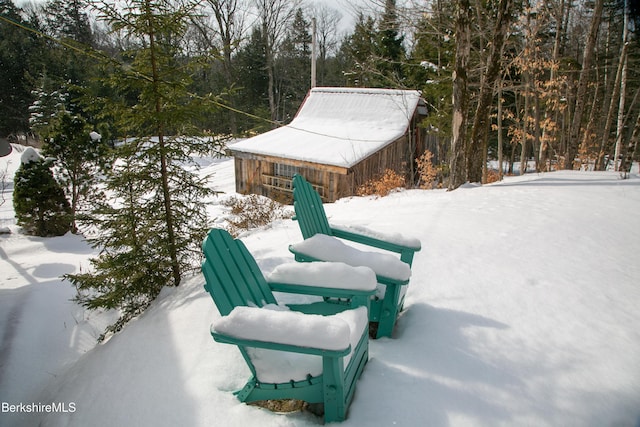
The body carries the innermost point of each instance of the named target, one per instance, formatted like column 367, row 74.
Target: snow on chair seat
column 321, row 334
column 328, row 248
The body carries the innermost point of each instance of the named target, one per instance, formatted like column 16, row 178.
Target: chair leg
column 333, row 389
column 389, row 312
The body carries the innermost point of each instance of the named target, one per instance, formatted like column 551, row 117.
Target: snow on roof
column 338, row 126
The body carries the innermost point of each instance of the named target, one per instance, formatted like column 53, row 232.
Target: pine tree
column 50, row 101
column 21, row 53
column 39, row 202
column 68, row 19
column 76, row 150
column 294, row 67
column 152, row 216
column 432, row 65
column 358, row 51
column 390, row 49
column 254, row 98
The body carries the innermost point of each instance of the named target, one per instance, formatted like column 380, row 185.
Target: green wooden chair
column 292, row 352
column 324, row 242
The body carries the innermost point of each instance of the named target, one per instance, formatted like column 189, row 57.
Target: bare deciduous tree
column 581, row 98
column 274, row 16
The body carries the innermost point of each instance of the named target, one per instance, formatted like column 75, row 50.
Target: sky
column 349, row 9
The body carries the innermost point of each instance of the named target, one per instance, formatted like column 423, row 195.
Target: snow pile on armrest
column 395, row 238
column 335, row 275
column 285, row 327
column 328, row 248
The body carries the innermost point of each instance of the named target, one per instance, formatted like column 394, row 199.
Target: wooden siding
column 395, row 156
column 255, row 174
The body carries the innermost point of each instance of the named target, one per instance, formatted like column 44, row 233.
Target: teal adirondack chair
column 322, row 243
column 292, row 353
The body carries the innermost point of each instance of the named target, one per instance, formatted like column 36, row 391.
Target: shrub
column 427, row 172
column 253, row 211
column 382, row 186
column 492, row 176
column 40, row 204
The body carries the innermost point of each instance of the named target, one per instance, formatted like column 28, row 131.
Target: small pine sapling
column 38, row 199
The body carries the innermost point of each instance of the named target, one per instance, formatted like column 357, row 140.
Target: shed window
column 286, row 171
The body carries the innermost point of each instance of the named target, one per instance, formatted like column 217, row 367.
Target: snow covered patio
column 522, row 311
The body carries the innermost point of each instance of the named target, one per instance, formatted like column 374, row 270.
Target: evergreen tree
column 67, row 19
column 39, row 202
column 430, row 68
column 21, row 54
column 154, row 219
column 357, row 51
column 254, row 93
column 390, row 51
column 293, row 67
column 76, row 150
column 50, row 101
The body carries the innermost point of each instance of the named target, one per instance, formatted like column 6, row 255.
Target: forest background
column 554, row 82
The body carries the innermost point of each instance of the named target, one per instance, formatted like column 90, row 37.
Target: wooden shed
column 339, row 139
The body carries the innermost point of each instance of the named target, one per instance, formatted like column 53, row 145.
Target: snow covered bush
column 39, row 202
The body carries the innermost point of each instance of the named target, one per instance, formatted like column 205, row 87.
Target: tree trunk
column 525, row 123
column 536, row 129
column 632, row 146
column 164, row 173
column 581, row 99
column 590, row 131
column 476, row 149
column 500, row 142
column 269, row 56
column 623, row 90
column 544, row 140
column 274, row 15
column 609, row 119
column 460, row 96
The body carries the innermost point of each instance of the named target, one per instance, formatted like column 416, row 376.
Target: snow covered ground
column 522, row 311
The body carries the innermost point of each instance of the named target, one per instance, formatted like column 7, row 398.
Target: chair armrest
column 366, row 236
column 326, row 279
column 283, row 330
column 319, row 291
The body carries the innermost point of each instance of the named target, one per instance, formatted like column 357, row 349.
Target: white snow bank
column 328, row 248
column 335, row 275
column 522, row 312
column 336, row 332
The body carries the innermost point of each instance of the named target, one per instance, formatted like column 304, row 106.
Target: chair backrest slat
column 309, row 210
column 232, row 276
